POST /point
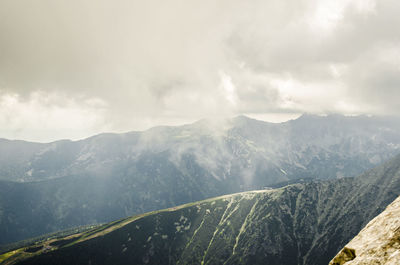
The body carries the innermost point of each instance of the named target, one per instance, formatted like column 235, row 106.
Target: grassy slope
column 141, row 225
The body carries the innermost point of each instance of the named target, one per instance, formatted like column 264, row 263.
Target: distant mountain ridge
column 289, row 146
column 54, row 186
column 295, row 225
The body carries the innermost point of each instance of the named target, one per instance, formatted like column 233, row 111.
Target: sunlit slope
column 298, row 224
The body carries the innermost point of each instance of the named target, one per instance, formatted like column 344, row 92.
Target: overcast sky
column 70, row 69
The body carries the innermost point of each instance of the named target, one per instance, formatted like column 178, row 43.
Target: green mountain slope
column 299, row 224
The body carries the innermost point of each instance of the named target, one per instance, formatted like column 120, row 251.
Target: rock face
column 48, row 187
column 377, row 243
column 305, row 223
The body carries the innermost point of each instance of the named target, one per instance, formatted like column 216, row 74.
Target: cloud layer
column 123, row 65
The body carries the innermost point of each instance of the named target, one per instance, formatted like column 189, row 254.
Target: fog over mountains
column 48, row 187
column 253, row 147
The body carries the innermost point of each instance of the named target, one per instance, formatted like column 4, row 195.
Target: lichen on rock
column 345, row 255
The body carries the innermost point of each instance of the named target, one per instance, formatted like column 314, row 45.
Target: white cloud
column 46, row 117
column 153, row 62
column 228, row 88
column 327, row 14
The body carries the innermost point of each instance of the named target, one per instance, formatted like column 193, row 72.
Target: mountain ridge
column 238, row 118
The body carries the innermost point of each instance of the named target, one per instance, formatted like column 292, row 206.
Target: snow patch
column 30, row 172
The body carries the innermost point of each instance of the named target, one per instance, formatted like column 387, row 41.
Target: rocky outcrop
column 377, row 243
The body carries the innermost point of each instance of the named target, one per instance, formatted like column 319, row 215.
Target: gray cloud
column 152, row 62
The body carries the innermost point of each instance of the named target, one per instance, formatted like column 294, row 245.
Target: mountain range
column 54, row 186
